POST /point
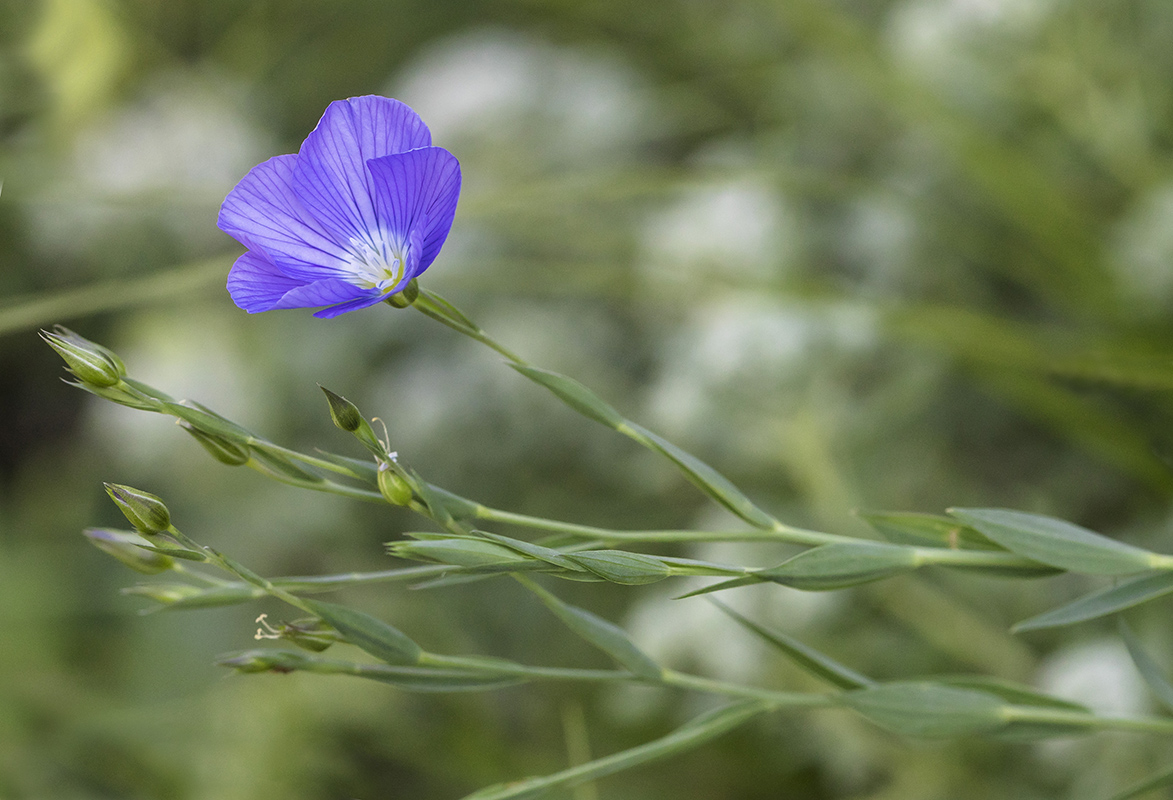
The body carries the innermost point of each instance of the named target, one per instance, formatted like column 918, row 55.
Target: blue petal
column 353, row 305
column 331, row 175
column 263, row 213
column 415, row 195
column 256, row 284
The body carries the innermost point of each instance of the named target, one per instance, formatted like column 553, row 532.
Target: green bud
column 347, row 417
column 406, row 297
column 143, row 510
column 393, row 487
column 91, row 363
column 165, row 593
column 264, row 661
column 124, row 546
column 221, row 449
column 344, row 413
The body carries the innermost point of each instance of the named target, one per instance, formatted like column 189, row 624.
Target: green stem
column 324, row 583
column 523, row 670
column 781, row 533
column 776, row 699
column 246, row 575
column 941, row 556
column 313, row 461
column 323, row 485
column 1054, row 716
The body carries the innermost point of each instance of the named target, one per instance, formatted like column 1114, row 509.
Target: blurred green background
column 878, row 254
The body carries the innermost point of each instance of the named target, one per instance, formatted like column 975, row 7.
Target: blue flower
column 361, row 209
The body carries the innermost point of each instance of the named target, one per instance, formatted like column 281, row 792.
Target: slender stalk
column 524, row 670
column 1055, row 716
column 776, row 699
column 313, row 461
column 782, row 533
column 231, row 567
column 945, row 557
column 323, row 485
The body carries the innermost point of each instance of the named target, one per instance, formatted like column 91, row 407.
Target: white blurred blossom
column 734, row 230
column 494, row 85
column 1099, row 674
column 170, row 156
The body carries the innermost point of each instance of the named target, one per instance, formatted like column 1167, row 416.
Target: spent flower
column 350, row 219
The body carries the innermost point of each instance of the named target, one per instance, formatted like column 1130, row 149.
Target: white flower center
column 377, row 263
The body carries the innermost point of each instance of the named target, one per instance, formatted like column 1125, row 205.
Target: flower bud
column 221, row 449
column 264, row 661
column 124, row 546
column 143, row 510
column 89, row 362
column 392, row 486
column 406, row 297
column 165, row 593
column 344, row 413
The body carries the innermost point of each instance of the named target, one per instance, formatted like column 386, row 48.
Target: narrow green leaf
column 841, row 564
column 372, row 635
column 620, row 566
column 707, row 479
column 1148, row 668
column 1158, row 781
column 547, row 554
column 806, row 657
column 457, row 551
column 207, row 420
column 606, row 636
column 412, row 679
column 1126, row 594
column 282, row 465
column 574, row 394
column 1056, row 542
column 1015, row 693
column 925, row 530
column 437, row 307
column 363, row 469
column 687, row 737
column 928, row 709
column 459, row 507
column 722, row 586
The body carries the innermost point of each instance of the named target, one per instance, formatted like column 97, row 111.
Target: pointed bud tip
column 146, row 512
column 344, row 413
column 91, row 363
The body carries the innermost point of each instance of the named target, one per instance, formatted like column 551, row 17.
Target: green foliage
column 952, row 289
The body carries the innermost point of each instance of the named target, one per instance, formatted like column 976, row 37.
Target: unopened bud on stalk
column 143, row 510
column 124, row 546
column 264, row 661
column 165, row 593
column 406, row 297
column 221, row 449
column 344, row 413
column 347, row 417
column 392, row 486
column 90, row 362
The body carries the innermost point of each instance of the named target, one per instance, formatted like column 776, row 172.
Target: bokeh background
column 857, row 254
